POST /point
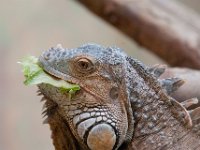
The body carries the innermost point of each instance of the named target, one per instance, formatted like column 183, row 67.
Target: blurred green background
column 27, row 27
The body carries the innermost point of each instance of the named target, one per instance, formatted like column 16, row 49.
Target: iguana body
column 121, row 104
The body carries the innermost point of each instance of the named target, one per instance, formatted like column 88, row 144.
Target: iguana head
column 99, row 115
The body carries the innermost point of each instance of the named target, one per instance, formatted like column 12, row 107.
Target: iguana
column 121, row 103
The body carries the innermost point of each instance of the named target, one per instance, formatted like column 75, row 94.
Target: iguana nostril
column 47, row 56
column 100, row 137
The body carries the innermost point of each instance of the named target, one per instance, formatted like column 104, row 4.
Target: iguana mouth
column 53, row 72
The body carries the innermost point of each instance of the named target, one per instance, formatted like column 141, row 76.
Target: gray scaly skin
column 121, row 105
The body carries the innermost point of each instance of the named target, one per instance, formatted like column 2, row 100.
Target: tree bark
column 167, row 28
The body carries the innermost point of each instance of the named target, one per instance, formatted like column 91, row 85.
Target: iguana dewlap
column 121, row 105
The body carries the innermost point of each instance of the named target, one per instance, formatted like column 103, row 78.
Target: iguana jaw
column 43, row 63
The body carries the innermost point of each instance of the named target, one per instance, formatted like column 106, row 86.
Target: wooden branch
column 167, row 28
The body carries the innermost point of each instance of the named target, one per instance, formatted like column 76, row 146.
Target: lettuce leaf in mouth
column 34, row 75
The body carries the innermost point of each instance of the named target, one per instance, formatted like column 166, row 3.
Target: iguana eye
column 84, row 65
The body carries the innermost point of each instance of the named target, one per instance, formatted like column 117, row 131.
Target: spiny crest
column 48, row 108
column 189, row 102
column 192, row 117
column 157, row 70
column 151, row 75
column 171, row 84
column 163, row 88
column 194, row 114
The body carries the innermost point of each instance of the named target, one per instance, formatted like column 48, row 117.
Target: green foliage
column 34, row 75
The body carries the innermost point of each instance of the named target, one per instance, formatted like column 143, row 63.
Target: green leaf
column 34, row 75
